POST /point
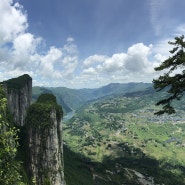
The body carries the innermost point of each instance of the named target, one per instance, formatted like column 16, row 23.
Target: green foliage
column 174, row 82
column 17, row 83
column 115, row 170
column 132, row 136
column 37, row 91
column 9, row 167
column 39, row 113
column 76, row 169
column 47, row 99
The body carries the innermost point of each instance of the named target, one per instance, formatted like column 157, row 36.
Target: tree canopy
column 9, row 167
column 172, row 80
column 39, row 113
column 17, row 83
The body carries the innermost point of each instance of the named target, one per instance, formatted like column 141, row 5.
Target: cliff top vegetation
column 17, row 83
column 39, row 112
column 47, row 99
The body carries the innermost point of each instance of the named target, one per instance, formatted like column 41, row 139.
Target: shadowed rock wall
column 45, row 146
column 19, row 94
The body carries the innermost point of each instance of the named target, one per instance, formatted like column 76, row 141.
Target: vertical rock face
column 19, row 94
column 45, row 147
column 44, row 130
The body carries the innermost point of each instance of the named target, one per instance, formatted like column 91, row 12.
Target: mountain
column 37, row 91
column 34, row 133
column 117, row 88
column 19, row 94
column 123, row 137
column 115, row 138
column 44, row 151
column 72, row 99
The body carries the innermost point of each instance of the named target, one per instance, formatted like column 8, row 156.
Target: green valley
column 123, row 130
column 112, row 136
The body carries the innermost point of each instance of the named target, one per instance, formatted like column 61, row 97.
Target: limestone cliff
column 42, row 122
column 19, row 94
column 45, row 147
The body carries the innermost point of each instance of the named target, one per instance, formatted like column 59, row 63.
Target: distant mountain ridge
column 72, row 99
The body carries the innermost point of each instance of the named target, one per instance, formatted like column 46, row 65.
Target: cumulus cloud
column 100, row 63
column 47, row 62
column 19, row 49
column 23, row 50
column 135, row 60
column 135, row 65
column 60, row 66
column 69, row 61
column 59, row 63
column 90, row 71
column 137, row 57
column 94, row 59
column 13, row 20
column 115, row 63
column 70, row 47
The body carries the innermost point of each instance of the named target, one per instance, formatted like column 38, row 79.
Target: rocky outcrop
column 42, row 122
column 45, row 147
column 19, row 93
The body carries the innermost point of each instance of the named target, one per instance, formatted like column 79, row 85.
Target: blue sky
column 87, row 43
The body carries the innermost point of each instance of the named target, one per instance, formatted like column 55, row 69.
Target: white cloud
column 90, row 71
column 136, row 65
column 94, row 59
column 48, row 61
column 115, row 63
column 52, row 56
column 69, row 61
column 159, row 57
column 13, row 21
column 135, row 60
column 137, row 57
column 70, row 48
column 69, row 65
column 163, row 47
column 61, row 67
column 24, row 47
column 103, row 64
column 19, row 49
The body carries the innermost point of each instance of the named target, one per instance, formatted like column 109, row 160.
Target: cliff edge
column 19, row 94
column 41, row 121
column 45, row 146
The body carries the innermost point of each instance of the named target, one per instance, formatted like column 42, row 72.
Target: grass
column 97, row 132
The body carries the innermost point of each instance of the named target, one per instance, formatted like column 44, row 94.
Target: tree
column 172, row 81
column 9, row 167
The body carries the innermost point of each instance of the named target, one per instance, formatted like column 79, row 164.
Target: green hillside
column 37, row 91
column 114, row 137
column 128, row 170
column 123, row 131
column 72, row 99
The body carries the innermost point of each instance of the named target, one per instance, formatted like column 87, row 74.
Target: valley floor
column 124, row 136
